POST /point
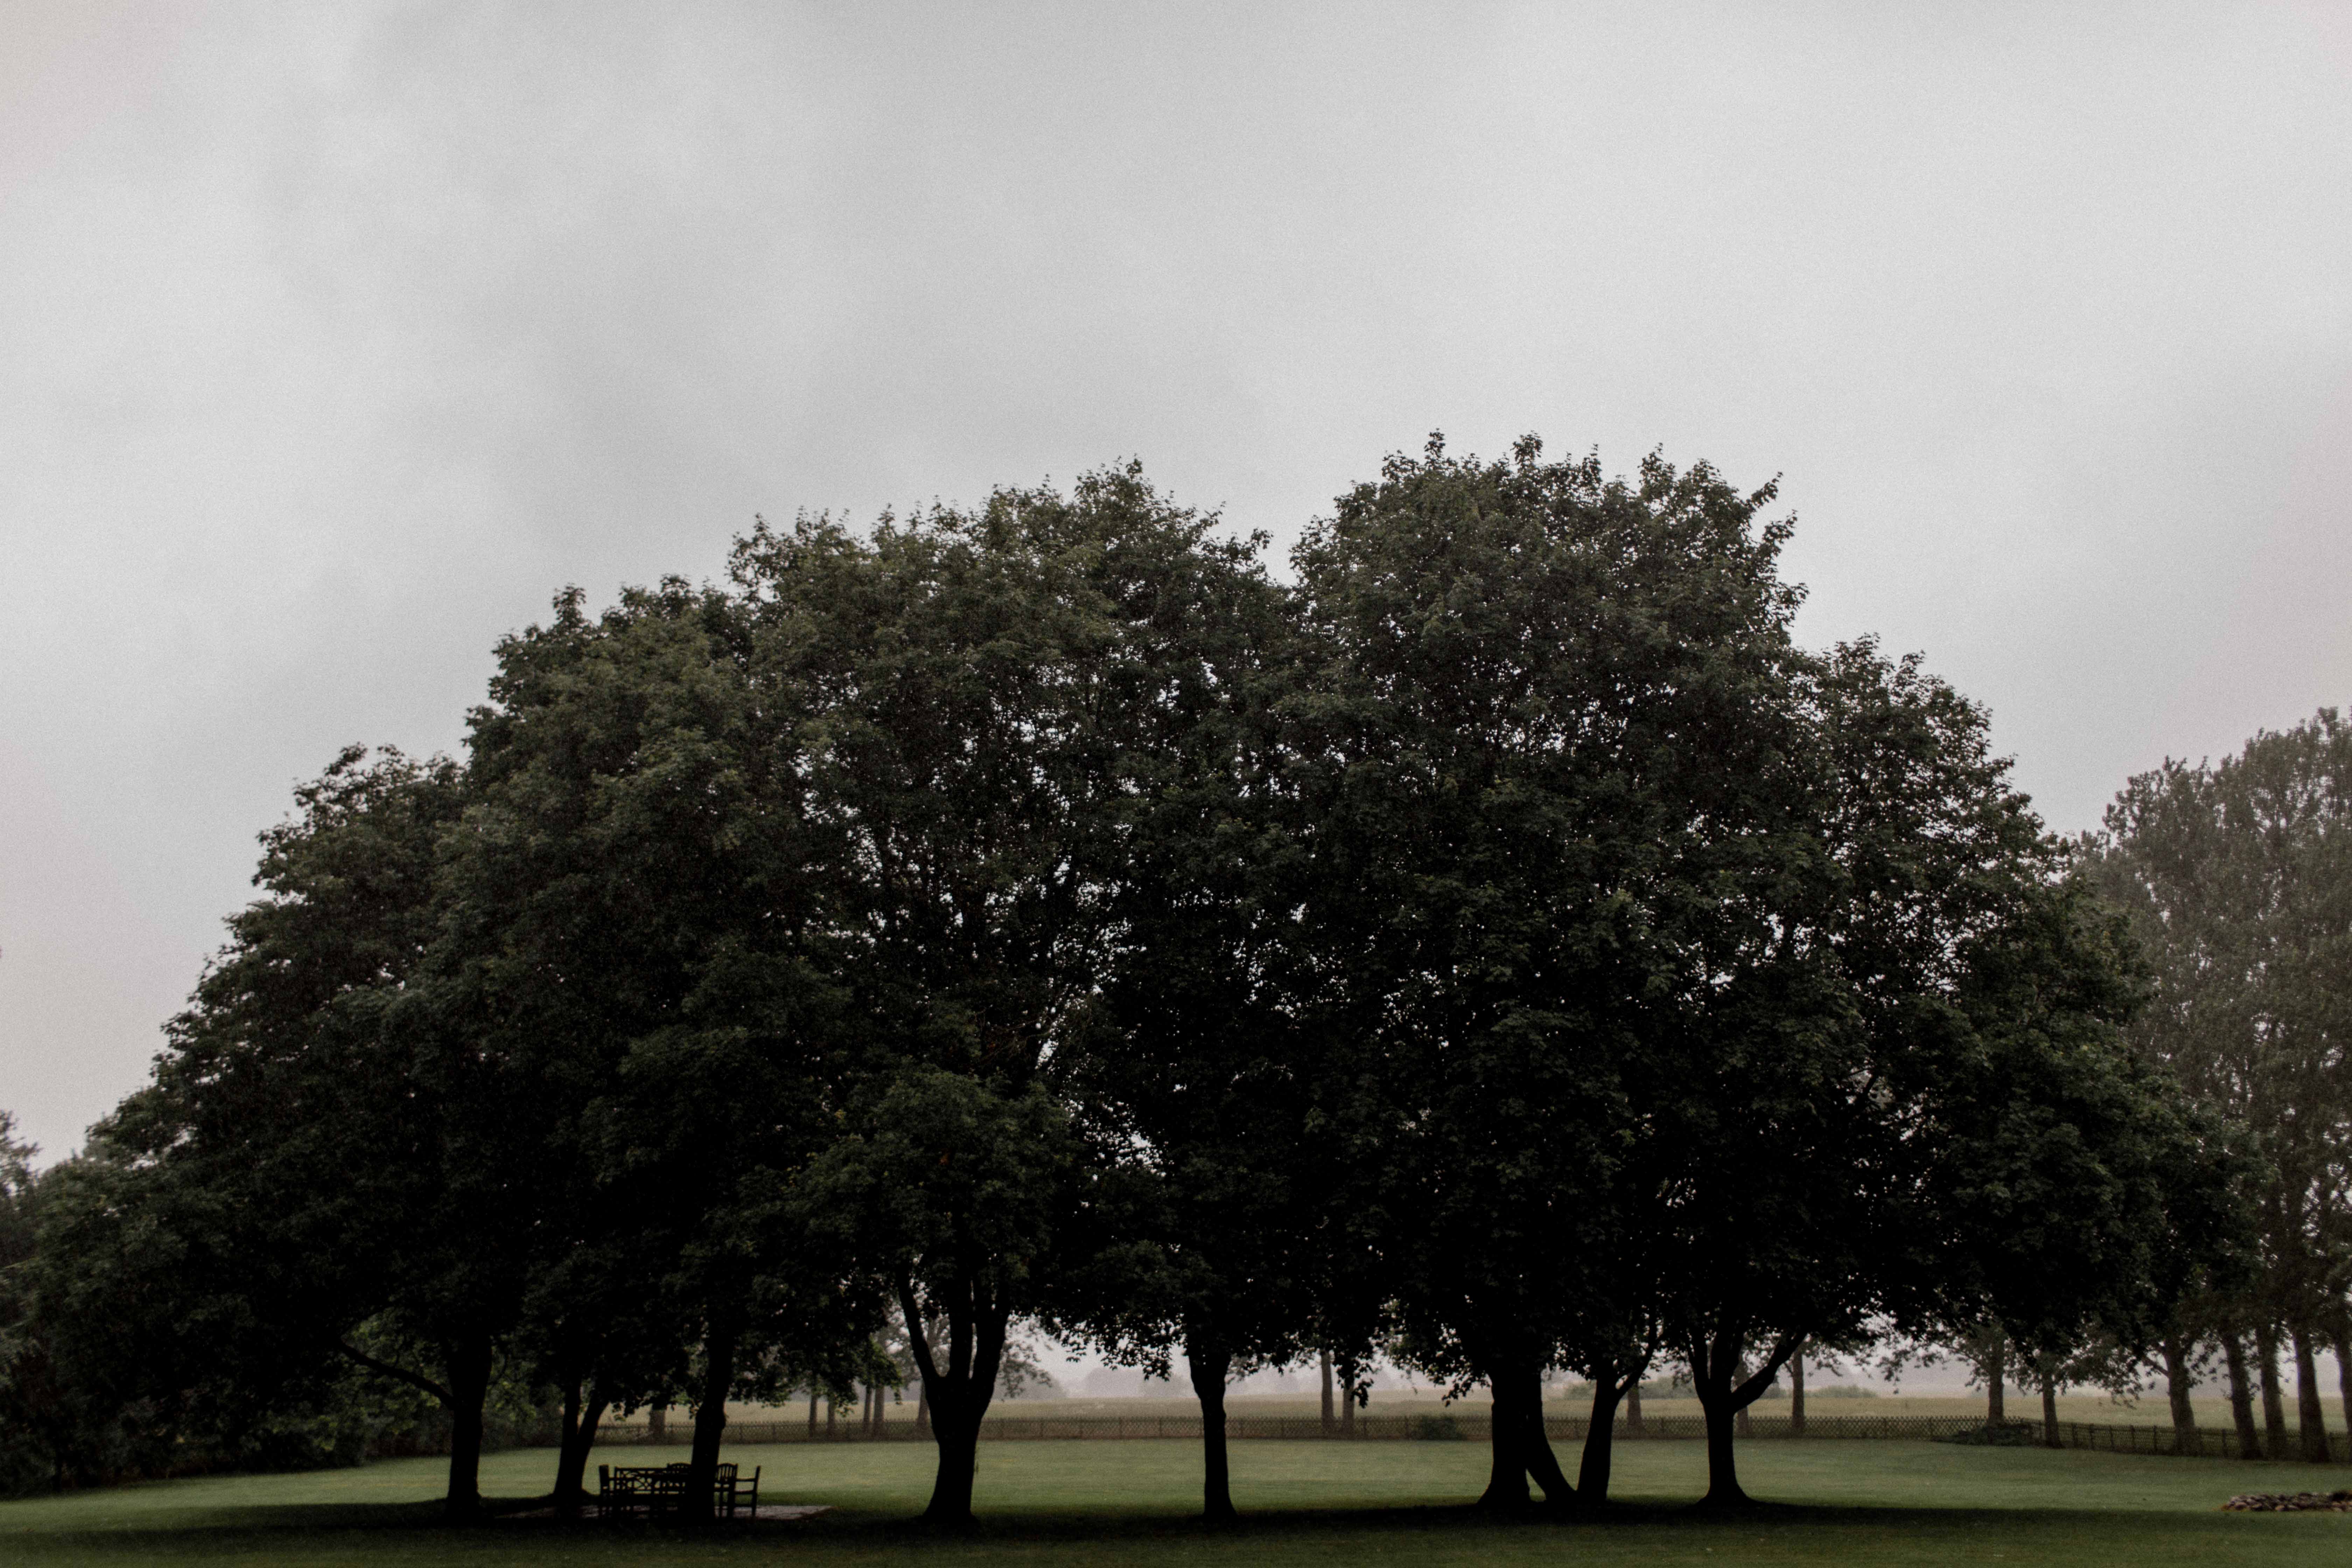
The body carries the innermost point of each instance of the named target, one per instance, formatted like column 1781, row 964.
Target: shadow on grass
column 1649, row 1530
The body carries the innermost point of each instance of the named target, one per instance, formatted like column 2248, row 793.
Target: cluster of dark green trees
column 1499, row 946
column 2238, row 879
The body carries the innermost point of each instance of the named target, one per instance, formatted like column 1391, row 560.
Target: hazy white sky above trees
column 335, row 338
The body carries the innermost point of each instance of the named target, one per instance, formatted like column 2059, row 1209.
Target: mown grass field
column 1851, row 1504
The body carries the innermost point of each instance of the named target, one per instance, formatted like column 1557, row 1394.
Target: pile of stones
column 2290, row 1502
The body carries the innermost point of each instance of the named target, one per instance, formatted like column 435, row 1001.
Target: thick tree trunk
column 1210, row 1367
column 1507, row 1470
column 1633, row 1408
column 2311, row 1414
column 1996, row 1371
column 710, row 1423
column 2241, row 1394
column 1723, row 1489
column 657, row 1419
column 812, row 1404
column 2050, row 1413
column 1599, row 1436
column 2266, row 1349
column 1324, row 1359
column 958, row 1391
column 1348, row 1400
column 469, row 1387
column 1520, row 1446
column 1797, row 1394
column 832, row 1416
column 2179, row 1385
column 580, row 1418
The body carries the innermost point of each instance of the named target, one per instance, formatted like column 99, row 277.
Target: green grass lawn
column 1851, row 1504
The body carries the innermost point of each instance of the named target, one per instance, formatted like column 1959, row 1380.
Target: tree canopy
column 1501, row 946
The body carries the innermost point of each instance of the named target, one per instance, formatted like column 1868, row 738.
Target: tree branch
column 398, row 1373
column 919, row 1343
column 1749, row 1393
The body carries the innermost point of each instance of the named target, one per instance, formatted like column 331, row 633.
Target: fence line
column 1469, row 1427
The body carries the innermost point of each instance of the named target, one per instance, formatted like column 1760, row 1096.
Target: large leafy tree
column 1537, row 695
column 332, row 1148
column 631, row 901
column 967, row 677
column 1198, row 1230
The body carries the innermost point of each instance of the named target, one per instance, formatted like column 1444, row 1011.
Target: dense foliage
column 1503, row 948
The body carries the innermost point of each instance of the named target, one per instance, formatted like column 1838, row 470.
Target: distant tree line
column 1500, row 948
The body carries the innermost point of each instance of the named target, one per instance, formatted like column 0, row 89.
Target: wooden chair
column 738, row 1491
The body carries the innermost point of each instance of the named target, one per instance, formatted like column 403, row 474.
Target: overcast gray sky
column 335, row 338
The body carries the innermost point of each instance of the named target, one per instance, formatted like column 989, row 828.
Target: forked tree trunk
column 2311, row 1414
column 2266, row 1348
column 2241, row 1394
column 1715, row 1363
column 1520, row 1448
column 2179, row 1385
column 710, row 1423
column 1210, row 1366
column 958, row 1391
column 580, row 1418
column 469, row 1387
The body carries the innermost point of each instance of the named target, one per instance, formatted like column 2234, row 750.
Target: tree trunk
column 2179, row 1385
column 2266, row 1347
column 812, row 1403
column 1723, row 1490
column 1348, row 1400
column 469, row 1387
column 2050, row 1412
column 1634, row 1407
column 957, row 1390
column 2344, row 1370
column 1601, row 1433
column 1507, row 1471
column 2311, row 1415
column 1324, row 1358
column 2241, row 1394
column 580, row 1418
column 1797, row 1394
column 1210, row 1366
column 1542, row 1463
column 657, row 1419
column 710, row 1423
column 1996, row 1374
column 832, row 1417
column 1713, row 1363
